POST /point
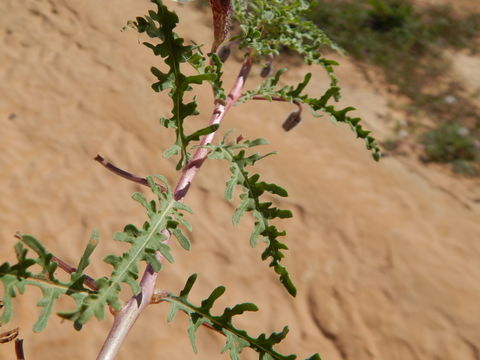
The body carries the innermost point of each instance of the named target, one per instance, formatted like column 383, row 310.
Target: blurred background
column 385, row 255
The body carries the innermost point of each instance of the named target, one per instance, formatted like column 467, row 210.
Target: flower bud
column 224, row 53
column 292, row 120
column 222, row 11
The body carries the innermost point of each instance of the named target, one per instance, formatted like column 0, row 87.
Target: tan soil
column 385, row 255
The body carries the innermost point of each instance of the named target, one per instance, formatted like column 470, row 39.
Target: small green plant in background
column 266, row 27
column 405, row 43
column 452, row 143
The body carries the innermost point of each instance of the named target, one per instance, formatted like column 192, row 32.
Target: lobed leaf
column 160, row 25
column 17, row 277
column 144, row 243
column 236, row 339
column 269, row 89
column 251, row 191
column 267, row 28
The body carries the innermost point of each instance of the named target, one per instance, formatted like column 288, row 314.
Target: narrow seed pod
column 292, row 120
column 224, row 53
column 267, row 70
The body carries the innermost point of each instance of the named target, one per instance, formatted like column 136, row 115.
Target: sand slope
column 385, row 255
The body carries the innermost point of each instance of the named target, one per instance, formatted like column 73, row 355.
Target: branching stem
column 127, row 316
column 125, row 174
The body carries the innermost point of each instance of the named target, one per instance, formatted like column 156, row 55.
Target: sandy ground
column 385, row 255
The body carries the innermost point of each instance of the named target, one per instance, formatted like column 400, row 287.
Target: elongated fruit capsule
column 267, row 70
column 224, row 53
column 292, row 120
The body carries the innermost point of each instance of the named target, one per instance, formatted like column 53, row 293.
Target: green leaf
column 165, row 251
column 160, row 25
column 208, row 303
column 251, row 191
column 230, row 188
column 234, row 345
column 144, row 243
column 47, row 302
column 17, row 277
column 182, row 239
column 314, row 357
column 85, row 259
column 173, row 312
column 195, row 323
column 267, row 28
column 188, row 286
column 198, row 79
column 184, row 222
column 171, row 151
column 240, row 210
column 258, row 229
column 205, row 131
column 236, row 339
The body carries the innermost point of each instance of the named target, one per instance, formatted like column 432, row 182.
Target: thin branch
column 125, row 174
column 293, row 118
column 8, row 336
column 19, row 349
column 132, row 310
column 278, row 98
column 88, row 281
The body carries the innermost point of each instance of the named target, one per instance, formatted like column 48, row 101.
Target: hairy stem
column 127, row 316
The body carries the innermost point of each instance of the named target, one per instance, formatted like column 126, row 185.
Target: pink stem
column 219, row 112
column 127, row 316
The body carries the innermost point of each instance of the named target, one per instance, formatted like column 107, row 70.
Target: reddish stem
column 278, row 98
column 125, row 174
column 19, row 349
column 8, row 336
column 88, row 281
column 127, row 316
